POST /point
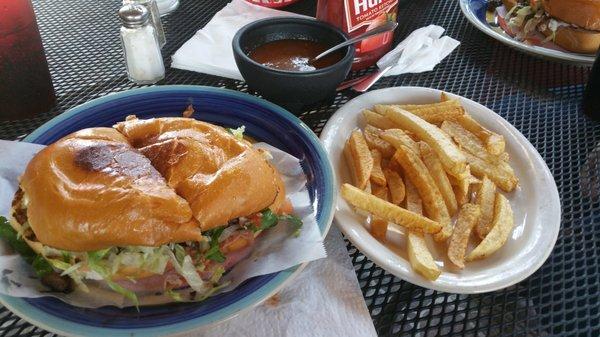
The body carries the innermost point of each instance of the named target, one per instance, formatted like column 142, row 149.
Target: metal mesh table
column 538, row 97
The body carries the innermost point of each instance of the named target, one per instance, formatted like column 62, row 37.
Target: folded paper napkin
column 420, row 51
column 209, row 50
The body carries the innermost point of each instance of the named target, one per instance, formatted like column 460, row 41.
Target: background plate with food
column 468, row 203
column 112, row 149
column 484, row 15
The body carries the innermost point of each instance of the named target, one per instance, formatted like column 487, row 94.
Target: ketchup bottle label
column 360, row 13
column 358, row 16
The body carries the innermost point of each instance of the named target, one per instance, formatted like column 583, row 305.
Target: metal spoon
column 389, row 26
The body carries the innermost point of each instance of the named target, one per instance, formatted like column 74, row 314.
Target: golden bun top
column 582, row 13
column 221, row 177
column 91, row 190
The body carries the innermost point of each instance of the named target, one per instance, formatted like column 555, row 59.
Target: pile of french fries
column 434, row 170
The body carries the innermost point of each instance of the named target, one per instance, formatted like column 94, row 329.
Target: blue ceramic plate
column 475, row 11
column 265, row 122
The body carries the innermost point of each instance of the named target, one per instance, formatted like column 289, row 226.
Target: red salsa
column 294, row 55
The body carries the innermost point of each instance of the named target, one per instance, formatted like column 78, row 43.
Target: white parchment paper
column 277, row 249
column 323, row 301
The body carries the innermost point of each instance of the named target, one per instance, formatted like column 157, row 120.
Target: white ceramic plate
column 535, row 203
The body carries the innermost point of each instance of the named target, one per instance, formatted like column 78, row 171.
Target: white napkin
column 209, row 50
column 324, row 300
column 421, row 51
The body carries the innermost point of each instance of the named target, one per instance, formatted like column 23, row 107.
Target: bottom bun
column 575, row 39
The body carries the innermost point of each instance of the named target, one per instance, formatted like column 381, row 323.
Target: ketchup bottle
column 358, row 16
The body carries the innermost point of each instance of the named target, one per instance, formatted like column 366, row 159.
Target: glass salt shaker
column 152, row 7
column 140, row 45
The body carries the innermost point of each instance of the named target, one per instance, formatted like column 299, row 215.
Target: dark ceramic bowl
column 292, row 89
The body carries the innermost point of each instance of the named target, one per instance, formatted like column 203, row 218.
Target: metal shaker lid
column 134, row 15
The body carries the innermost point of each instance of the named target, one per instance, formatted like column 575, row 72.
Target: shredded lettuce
column 511, row 11
column 77, row 277
column 238, row 133
column 95, row 264
column 41, row 266
column 38, row 262
column 24, row 228
column 268, row 219
column 105, row 263
column 179, row 253
column 210, row 292
column 188, row 271
column 214, row 252
column 175, row 295
column 125, row 292
column 59, row 264
column 217, row 274
column 72, row 269
column 152, row 259
column 553, row 26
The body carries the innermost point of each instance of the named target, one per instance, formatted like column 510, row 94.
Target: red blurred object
column 25, row 83
column 358, row 16
column 272, row 3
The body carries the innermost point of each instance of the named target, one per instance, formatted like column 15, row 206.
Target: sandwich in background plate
column 571, row 24
column 92, row 209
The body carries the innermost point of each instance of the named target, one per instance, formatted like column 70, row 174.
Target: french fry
column 380, row 191
column 436, row 170
column 377, row 176
column 502, row 226
column 398, row 137
column 493, row 142
column 461, row 187
column 379, row 108
column 501, row 174
column 388, row 211
column 379, row 228
column 379, row 225
column 468, row 217
column 468, row 141
column 416, row 171
column 444, row 97
column 418, row 254
column 420, row 258
column 374, row 141
column 359, row 158
column 439, row 106
column 395, row 185
column 451, row 157
column 413, row 200
column 436, row 113
column 394, row 166
column 377, row 120
column 350, row 162
column 485, row 199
